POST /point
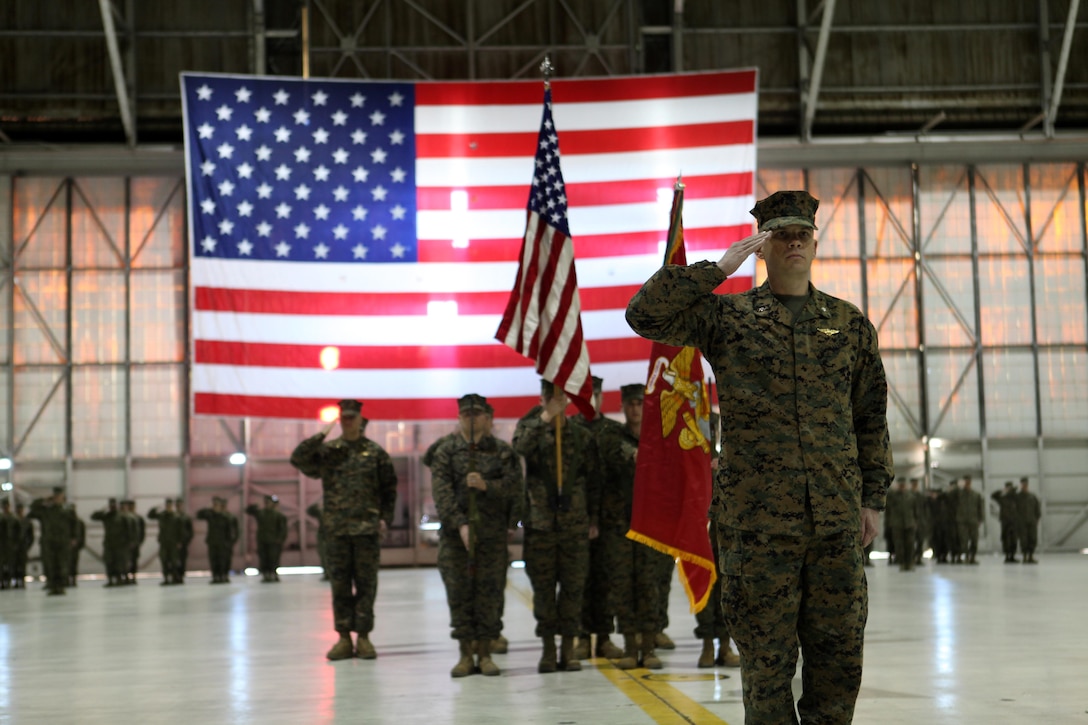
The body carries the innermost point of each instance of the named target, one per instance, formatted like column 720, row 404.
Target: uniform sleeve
column 233, row 528
column 677, row 305
column 281, row 528
column 100, row 515
column 444, row 488
column 252, row 510
column 308, row 455
column 529, row 434
column 204, row 514
column 591, row 469
column 314, row 510
column 387, row 487
column 869, row 402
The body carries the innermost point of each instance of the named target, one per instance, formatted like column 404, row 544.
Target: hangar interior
column 946, row 141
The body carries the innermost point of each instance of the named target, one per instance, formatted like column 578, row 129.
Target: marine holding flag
column 805, row 462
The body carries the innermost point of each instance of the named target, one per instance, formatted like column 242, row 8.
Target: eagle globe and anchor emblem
column 682, row 399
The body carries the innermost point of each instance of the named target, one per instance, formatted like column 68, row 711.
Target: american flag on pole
column 543, row 318
column 672, row 474
column 360, row 238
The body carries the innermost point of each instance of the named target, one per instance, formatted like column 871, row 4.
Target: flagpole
column 547, row 68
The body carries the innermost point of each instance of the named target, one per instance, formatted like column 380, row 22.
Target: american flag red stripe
column 422, row 332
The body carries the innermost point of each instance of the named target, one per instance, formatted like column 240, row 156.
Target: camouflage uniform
column 115, row 542
column 139, row 534
column 970, row 511
column 271, row 533
column 598, row 611
column 475, row 594
column 1030, row 512
column 635, row 569
column 185, row 527
column 77, row 546
column 901, row 515
column 360, row 491
column 314, row 512
column 557, row 526
column 220, row 537
column 7, row 545
column 805, row 447
column 58, row 524
column 24, row 540
column 170, row 534
column 1007, row 514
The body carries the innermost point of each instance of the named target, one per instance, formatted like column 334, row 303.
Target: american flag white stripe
column 264, row 317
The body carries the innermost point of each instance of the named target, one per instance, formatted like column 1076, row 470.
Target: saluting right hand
column 739, row 251
column 327, row 429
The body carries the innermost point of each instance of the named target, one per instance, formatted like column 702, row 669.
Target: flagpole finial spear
column 679, row 185
column 547, row 69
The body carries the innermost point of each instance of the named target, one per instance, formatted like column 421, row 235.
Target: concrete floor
column 988, row 644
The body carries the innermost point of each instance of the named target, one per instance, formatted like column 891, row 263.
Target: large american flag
column 360, row 239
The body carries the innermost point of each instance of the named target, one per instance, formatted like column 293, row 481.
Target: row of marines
column 64, row 536
column 588, row 579
column 948, row 522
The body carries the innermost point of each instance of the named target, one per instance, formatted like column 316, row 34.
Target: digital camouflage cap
column 784, row 208
column 350, row 407
column 471, row 402
column 634, row 391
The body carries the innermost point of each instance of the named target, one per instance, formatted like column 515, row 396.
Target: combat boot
column 342, row 650
column 484, row 662
column 499, row 645
column 726, row 656
column 581, row 650
column 649, row 660
column 606, row 649
column 364, row 649
column 547, row 659
column 662, row 641
column 706, row 657
column 464, row 666
column 567, row 660
column 629, row 659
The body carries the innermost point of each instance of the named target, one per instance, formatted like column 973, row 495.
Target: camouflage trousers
column 557, row 559
column 475, row 597
column 710, row 620
column 968, row 538
column 113, row 557
column 904, row 546
column 635, row 578
column 73, row 563
column 597, row 611
column 55, row 564
column 778, row 591
column 183, row 558
column 1008, row 538
column 168, row 559
column 1029, row 537
column 353, row 576
column 268, row 556
column 219, row 558
column 663, row 566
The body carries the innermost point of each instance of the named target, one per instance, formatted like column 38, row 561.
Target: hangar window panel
column 158, row 407
column 40, row 323
column 40, row 222
column 158, row 316
column 214, row 436
column 952, row 384
column 1055, row 208
column 98, row 223
column 1010, row 393
column 40, row 401
column 889, row 210
column 839, row 278
column 157, row 222
column 948, row 293
column 99, row 405
column 837, row 218
column 98, row 317
column 768, row 181
column 1005, row 296
column 904, row 396
column 277, row 438
column 892, row 302
column 1063, row 399
column 1000, row 210
column 1060, row 298
column 944, row 209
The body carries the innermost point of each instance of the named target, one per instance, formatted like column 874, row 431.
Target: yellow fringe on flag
column 696, row 606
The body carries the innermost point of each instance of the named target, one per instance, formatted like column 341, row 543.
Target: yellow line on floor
column 659, row 700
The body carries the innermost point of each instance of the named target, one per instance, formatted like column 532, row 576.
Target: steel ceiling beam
column 813, row 94
column 114, row 49
column 1063, row 65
